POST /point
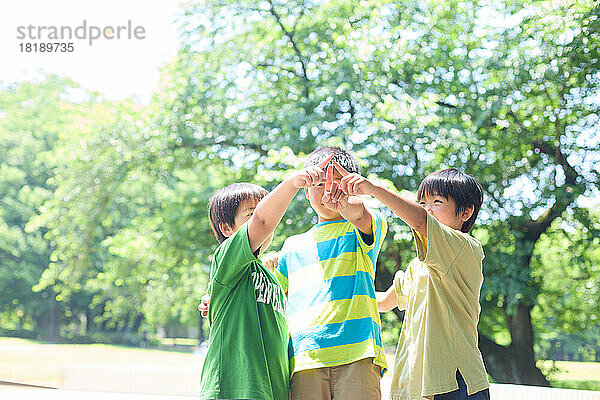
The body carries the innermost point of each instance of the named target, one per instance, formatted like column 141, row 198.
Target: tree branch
column 265, row 65
column 534, row 229
column 290, row 37
column 299, row 17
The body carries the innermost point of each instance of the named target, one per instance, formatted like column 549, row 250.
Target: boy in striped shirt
column 328, row 274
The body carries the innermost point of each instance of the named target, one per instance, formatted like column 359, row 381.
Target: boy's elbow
column 261, row 222
column 259, row 230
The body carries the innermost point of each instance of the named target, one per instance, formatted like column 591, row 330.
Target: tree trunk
column 52, row 319
column 521, row 332
column 88, row 321
column 514, row 363
column 138, row 322
column 497, row 359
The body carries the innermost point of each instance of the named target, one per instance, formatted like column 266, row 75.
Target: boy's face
column 315, row 194
column 243, row 214
column 444, row 210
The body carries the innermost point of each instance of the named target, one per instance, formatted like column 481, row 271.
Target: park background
column 104, row 236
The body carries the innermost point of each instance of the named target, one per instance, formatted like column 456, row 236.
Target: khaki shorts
column 356, row 381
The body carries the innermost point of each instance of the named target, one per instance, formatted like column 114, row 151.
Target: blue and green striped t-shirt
column 328, row 273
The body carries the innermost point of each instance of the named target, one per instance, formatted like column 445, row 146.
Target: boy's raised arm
column 351, row 208
column 272, row 207
column 409, row 211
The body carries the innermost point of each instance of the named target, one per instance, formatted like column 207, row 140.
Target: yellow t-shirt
column 440, row 292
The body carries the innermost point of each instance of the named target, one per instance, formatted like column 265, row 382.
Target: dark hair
column 224, row 204
column 342, row 157
column 460, row 187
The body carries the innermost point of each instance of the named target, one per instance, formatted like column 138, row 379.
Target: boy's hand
column 333, row 197
column 203, row 307
column 353, row 184
column 311, row 176
column 270, row 261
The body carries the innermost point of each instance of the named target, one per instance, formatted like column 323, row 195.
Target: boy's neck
column 336, row 218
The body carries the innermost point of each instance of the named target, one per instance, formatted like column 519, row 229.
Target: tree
column 32, row 116
column 566, row 262
column 504, row 91
column 413, row 87
column 137, row 239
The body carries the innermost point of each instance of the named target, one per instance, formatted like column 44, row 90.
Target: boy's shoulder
column 475, row 245
column 439, row 230
column 446, row 241
column 472, row 244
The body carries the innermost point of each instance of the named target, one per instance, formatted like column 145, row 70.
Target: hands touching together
column 353, row 184
column 338, row 185
column 336, row 192
column 311, row 176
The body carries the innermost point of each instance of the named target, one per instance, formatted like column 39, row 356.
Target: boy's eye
column 422, row 203
column 437, row 201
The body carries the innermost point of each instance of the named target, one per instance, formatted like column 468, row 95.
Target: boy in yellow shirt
column 437, row 355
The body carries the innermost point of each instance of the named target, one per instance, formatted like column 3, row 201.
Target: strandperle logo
column 84, row 31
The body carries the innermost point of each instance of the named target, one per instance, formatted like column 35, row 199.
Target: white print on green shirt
column 267, row 292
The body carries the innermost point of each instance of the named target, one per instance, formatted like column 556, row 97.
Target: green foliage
column 567, row 261
column 505, row 91
column 130, row 218
column 32, row 117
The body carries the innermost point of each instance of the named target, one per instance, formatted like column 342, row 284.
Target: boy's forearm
column 357, row 214
column 409, row 211
column 387, row 300
column 269, row 212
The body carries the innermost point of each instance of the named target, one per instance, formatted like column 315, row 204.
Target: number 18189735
column 46, row 47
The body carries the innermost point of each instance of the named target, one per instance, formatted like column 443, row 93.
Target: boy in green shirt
column 247, row 356
column 437, row 355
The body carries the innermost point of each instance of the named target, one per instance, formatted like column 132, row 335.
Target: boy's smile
column 445, row 211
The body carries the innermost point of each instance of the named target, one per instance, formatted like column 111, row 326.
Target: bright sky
column 118, row 68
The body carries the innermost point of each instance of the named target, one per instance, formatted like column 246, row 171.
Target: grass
column 576, row 384
column 38, row 363
column 573, row 375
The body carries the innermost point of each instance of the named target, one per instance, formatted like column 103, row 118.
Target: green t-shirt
column 247, row 355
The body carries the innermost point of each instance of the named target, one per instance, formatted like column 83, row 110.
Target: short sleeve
column 442, row 245
column 402, row 283
column 232, row 257
column 379, row 227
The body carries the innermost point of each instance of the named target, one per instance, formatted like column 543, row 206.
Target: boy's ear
column 466, row 213
column 226, row 230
